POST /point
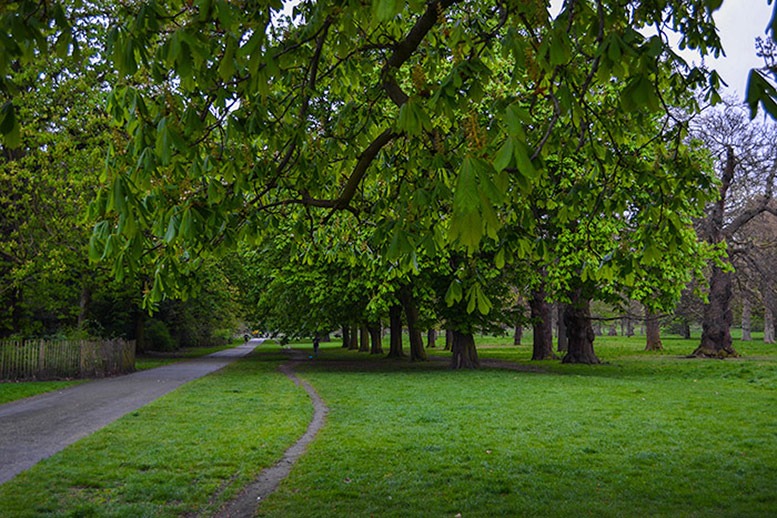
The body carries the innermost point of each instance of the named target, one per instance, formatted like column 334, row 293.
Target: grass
column 187, row 452
column 644, row 434
column 11, row 391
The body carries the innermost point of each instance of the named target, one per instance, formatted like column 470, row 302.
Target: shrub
column 158, row 336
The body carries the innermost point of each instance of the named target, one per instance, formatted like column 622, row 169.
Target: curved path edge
column 245, row 504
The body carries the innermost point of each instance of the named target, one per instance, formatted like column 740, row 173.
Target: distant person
column 246, row 337
column 315, row 346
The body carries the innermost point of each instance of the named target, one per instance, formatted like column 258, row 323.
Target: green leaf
column 522, row 159
column 454, row 293
column 504, row 155
column 499, row 259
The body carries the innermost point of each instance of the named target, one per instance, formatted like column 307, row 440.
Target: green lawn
column 11, row 391
column 187, row 452
column 645, row 434
column 150, row 361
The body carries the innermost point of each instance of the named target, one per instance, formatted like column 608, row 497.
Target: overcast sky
column 740, row 22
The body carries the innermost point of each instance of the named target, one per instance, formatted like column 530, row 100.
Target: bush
column 158, row 336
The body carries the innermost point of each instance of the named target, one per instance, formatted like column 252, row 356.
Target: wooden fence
column 51, row 359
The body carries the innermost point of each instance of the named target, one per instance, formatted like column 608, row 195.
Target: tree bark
column 652, row 332
column 717, row 320
column 140, row 331
column 746, row 312
column 431, row 338
column 83, row 304
column 364, row 339
column 346, row 337
column 448, row 340
column 395, row 332
column 686, row 331
column 542, row 327
column 464, row 353
column 353, row 334
column 613, row 331
column 768, row 324
column 325, row 338
column 417, row 351
column 562, row 328
column 518, row 334
column 376, row 337
column 580, row 334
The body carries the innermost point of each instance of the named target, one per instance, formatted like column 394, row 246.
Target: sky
column 739, row 22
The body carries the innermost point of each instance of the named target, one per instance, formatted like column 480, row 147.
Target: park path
column 244, row 505
column 35, row 428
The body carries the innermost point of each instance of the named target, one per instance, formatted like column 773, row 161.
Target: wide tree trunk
column 395, row 332
column 746, row 313
column 346, row 337
column 717, row 320
column 464, row 353
column 542, row 327
column 562, row 328
column 431, row 338
column 417, row 351
column 448, row 340
column 580, row 334
column 653, row 332
column 768, row 324
column 364, row 339
column 353, row 333
column 376, row 337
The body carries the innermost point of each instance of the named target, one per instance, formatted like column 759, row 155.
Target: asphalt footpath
column 35, row 428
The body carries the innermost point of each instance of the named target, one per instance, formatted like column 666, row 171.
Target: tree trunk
column 346, row 337
column 417, row 351
column 746, row 310
column 562, row 328
column 629, row 326
column 376, row 337
column 686, row 330
column 364, row 339
column 518, row 334
column 353, row 334
column 464, row 353
column 140, row 331
column 83, row 304
column 431, row 338
column 325, row 338
column 448, row 340
column 395, row 332
column 768, row 324
column 716, row 325
column 613, row 330
column 580, row 334
column 542, row 327
column 653, row 332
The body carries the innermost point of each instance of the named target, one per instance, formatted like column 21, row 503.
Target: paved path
column 38, row 427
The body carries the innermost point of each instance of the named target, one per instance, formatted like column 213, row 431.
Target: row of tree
column 430, row 158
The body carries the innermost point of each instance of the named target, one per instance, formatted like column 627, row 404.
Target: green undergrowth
column 647, row 434
column 11, row 391
column 185, row 453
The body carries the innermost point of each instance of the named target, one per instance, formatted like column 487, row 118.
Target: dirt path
column 244, row 506
column 35, row 428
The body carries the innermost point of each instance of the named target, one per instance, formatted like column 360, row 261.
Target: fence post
column 41, row 358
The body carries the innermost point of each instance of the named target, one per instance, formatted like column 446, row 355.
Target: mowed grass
column 646, row 434
column 185, row 453
column 151, row 360
column 11, row 391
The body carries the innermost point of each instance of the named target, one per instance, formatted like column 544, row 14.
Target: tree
column 746, row 161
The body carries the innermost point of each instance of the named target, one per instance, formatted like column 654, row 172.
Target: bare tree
column 745, row 157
